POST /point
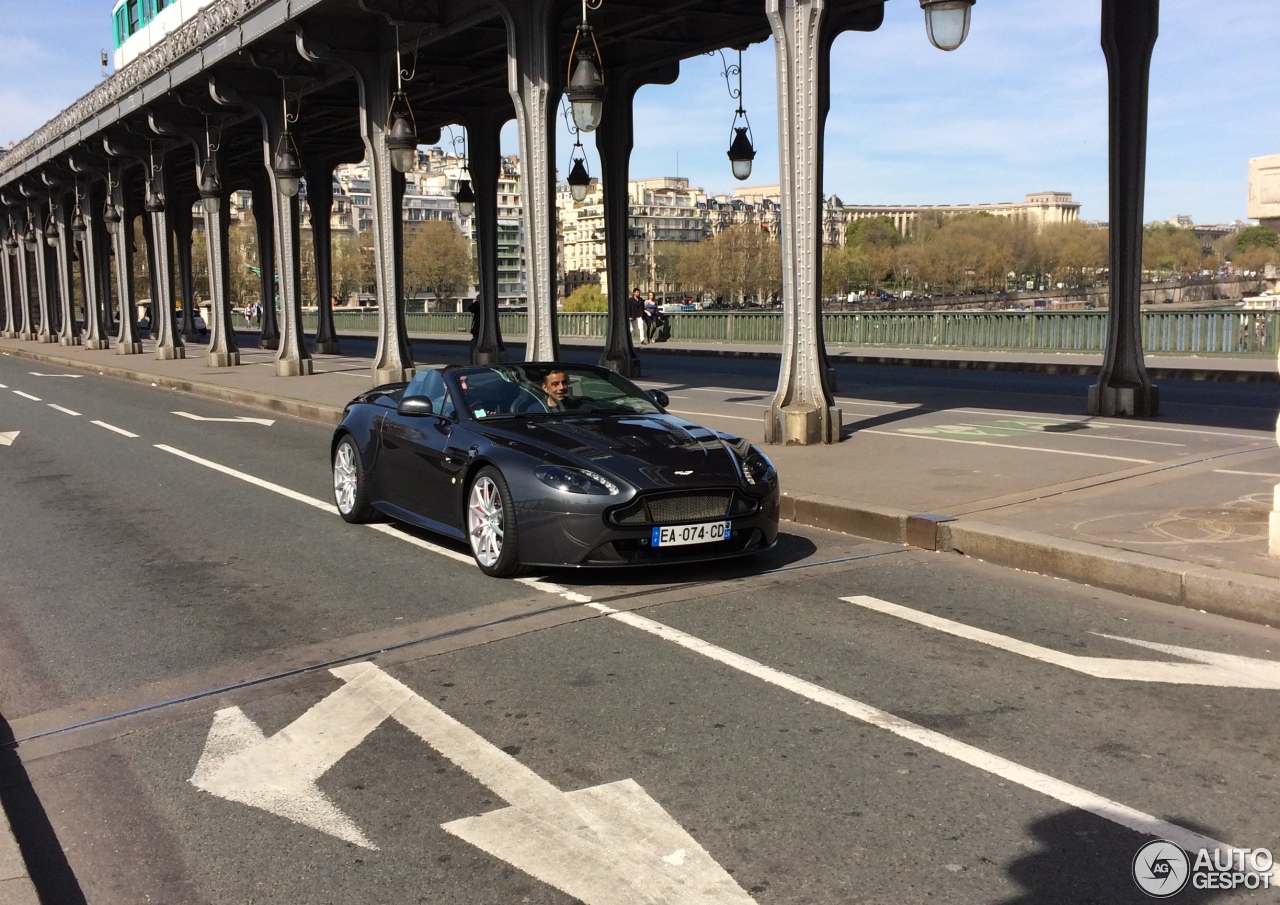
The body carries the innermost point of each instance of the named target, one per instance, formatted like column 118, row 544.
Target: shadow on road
column 46, row 862
column 1086, row 860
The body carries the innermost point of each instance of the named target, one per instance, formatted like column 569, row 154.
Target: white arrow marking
column 605, row 845
column 7, row 437
column 242, row 419
column 38, row 374
column 1210, row 668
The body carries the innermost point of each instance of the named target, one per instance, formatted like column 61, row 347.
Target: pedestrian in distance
column 650, row 318
column 635, row 315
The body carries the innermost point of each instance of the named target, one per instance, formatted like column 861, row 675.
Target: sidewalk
column 15, row 885
column 1084, row 518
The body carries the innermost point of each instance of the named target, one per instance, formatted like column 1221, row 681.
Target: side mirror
column 416, row 406
column 661, row 398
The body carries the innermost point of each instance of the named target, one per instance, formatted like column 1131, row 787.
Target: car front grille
column 672, row 508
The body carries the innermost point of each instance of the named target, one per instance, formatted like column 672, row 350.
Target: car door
column 418, row 450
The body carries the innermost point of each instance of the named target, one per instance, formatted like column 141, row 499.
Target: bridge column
column 95, row 331
column 44, row 284
column 261, row 190
column 534, row 81
column 484, row 131
column 68, row 329
column 26, row 330
column 223, row 351
column 156, row 232
column 320, row 201
column 1129, row 31
column 127, row 342
column 802, row 411
column 292, row 357
column 7, row 262
column 181, row 225
column 615, row 139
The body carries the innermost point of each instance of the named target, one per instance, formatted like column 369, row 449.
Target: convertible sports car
column 550, row 464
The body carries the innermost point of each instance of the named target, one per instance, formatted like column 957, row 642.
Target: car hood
column 650, row 452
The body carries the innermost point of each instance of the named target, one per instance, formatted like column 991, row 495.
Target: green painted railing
column 1206, row 332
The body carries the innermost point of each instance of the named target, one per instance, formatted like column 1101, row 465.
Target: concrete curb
column 1239, row 595
column 16, row 887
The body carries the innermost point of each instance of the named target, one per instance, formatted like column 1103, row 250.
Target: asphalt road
column 817, row 749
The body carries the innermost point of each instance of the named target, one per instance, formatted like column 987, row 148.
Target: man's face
column 556, row 385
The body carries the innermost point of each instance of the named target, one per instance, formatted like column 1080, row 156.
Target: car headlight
column 576, row 480
column 757, row 468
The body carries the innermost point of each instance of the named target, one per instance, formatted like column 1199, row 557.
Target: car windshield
column 548, row 391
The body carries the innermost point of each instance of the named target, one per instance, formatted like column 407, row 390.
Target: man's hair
column 635, row 289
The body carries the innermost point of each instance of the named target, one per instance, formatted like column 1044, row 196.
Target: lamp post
column 947, row 22
column 465, row 196
column 579, row 178
column 585, row 83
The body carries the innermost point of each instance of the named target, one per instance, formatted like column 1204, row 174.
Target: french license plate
column 705, row 533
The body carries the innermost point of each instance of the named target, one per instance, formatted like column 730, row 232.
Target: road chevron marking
column 1210, row 668
column 1064, row 792
column 606, row 845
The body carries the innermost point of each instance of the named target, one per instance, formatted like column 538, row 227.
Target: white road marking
column 381, row 528
column 1210, row 668
column 7, row 437
column 27, row 396
column 1068, row 794
column 111, row 427
column 38, row 374
column 239, row 419
column 606, row 845
column 1076, row 433
column 64, row 410
column 710, row 415
column 1061, row 452
column 4, row 386
column 1252, row 474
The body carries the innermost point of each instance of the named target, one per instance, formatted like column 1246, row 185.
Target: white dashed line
column 1252, row 474
column 1040, row 449
column 710, row 415
column 111, row 427
column 63, row 410
column 27, row 396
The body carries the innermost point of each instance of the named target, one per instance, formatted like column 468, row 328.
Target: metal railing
column 1232, row 332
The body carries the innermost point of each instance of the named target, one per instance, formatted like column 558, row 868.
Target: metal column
column 1129, row 29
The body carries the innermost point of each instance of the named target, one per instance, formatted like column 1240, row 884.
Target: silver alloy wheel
column 345, row 478
column 485, row 520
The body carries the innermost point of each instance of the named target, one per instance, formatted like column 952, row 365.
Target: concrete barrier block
column 1255, row 598
column 1138, row 574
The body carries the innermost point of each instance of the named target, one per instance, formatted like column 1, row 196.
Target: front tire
column 491, row 524
column 349, row 491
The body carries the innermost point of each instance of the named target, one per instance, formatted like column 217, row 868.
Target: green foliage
column 586, row 298
column 438, row 260
column 1257, row 237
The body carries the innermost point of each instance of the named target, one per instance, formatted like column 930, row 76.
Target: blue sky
column 1020, row 108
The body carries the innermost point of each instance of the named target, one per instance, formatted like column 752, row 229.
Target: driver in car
column 556, row 387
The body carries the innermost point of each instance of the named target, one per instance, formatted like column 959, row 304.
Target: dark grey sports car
column 551, row 464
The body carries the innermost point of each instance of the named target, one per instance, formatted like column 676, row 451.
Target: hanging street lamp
column 287, row 164
column 947, row 21
column 402, row 133
column 741, row 149
column 210, row 181
column 465, row 196
column 585, row 84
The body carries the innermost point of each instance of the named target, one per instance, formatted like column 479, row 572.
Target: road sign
column 242, row 419
column 7, row 437
column 604, row 845
column 1209, row 668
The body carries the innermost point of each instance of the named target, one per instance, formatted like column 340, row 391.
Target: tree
column 1257, row 237
column 438, row 260
column 352, row 264
column 586, row 298
column 243, row 253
